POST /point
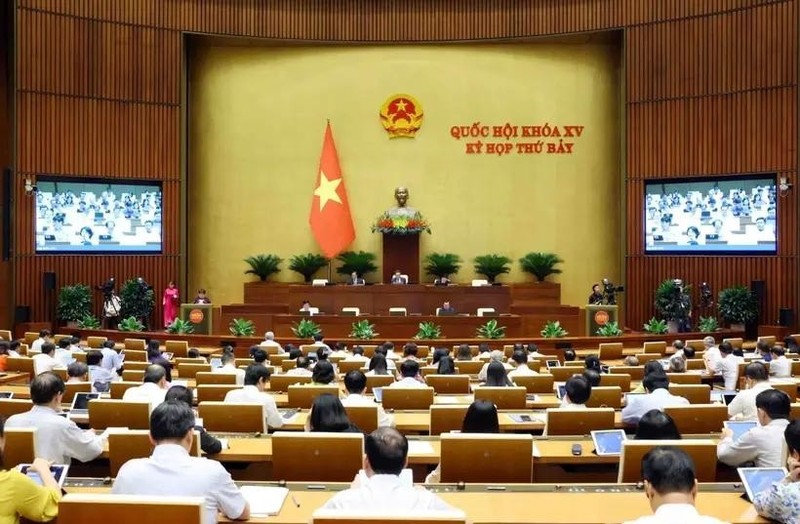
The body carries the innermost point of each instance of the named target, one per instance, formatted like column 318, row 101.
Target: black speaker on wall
column 785, row 317
column 22, row 314
column 49, row 281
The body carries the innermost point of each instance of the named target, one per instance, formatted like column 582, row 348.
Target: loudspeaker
column 785, row 317
column 759, row 289
column 22, row 314
column 49, row 281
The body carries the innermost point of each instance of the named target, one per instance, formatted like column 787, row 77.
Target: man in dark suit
column 398, row 278
column 355, row 280
column 447, row 309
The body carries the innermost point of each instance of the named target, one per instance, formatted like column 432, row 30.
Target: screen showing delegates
column 711, row 215
column 78, row 216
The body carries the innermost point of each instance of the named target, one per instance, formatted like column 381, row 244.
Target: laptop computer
column 59, row 472
column 80, row 403
column 756, row 480
column 608, row 442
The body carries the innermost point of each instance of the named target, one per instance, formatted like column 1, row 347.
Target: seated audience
column 154, row 356
column 409, row 371
column 63, row 354
column 112, row 361
column 14, row 348
column 259, row 357
column 340, row 350
column 386, row 455
column 631, row 360
column 570, row 355
column 100, row 377
column 328, row 415
column 195, row 353
column 153, row 389
column 790, row 345
column 670, row 484
column 689, row 352
column 77, row 372
column 44, row 338
column 743, row 405
column 677, row 365
column 75, row 345
column 592, row 362
column 323, row 353
column 378, row 365
column 657, row 397
column 727, row 365
column 464, row 352
column 269, row 342
column 763, row 351
column 762, row 444
column 438, row 353
column 592, row 376
column 678, row 347
column 496, row 375
column 779, row 366
column 4, row 355
column 319, row 341
column 780, row 501
column 578, row 389
column 520, row 360
column 446, row 366
column 656, row 425
column 255, row 383
column 651, row 367
column 484, row 351
column 45, row 362
column 229, row 367
column 357, row 355
column 58, row 439
column 301, row 368
column 21, row 496
column 496, row 356
column 410, row 350
column 171, row 471
column 711, row 354
column 355, row 382
column 208, row 443
column 293, row 352
column 323, row 373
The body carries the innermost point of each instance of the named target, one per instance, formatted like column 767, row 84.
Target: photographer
column 111, row 304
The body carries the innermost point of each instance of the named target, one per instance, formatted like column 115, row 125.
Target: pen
column 297, row 504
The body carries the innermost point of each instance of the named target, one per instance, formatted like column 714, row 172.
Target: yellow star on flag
column 326, row 190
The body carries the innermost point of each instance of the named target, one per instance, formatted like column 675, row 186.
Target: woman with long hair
column 323, row 373
column 496, row 375
column 328, row 414
column 378, row 365
column 446, row 366
column 464, row 352
column 657, row 425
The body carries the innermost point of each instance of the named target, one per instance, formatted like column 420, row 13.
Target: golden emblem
column 401, row 116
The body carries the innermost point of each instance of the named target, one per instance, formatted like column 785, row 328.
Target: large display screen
column 91, row 216
column 711, row 215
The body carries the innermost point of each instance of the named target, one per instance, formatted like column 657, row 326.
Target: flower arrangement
column 400, row 225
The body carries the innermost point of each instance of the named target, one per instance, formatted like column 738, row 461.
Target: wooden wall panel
column 711, row 88
column 6, row 125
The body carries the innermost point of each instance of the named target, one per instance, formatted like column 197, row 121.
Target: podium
column 200, row 317
column 401, row 252
column 599, row 316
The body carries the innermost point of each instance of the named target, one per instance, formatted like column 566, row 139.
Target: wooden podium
column 200, row 317
column 401, row 252
column 598, row 316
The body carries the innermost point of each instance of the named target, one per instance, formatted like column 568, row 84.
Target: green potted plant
column 491, row 266
column 491, row 330
column 707, row 325
column 553, row 330
column 442, row 264
column 307, row 265
column 363, row 330
column 89, row 322
column 673, row 303
column 611, row 329
column 263, row 266
column 136, row 300
column 306, row 328
column 655, row 326
column 131, row 324
column 540, row 265
column 362, row 262
column 737, row 306
column 240, row 327
column 180, row 327
column 428, row 331
column 74, row 303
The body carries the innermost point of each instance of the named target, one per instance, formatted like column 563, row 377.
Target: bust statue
column 402, row 210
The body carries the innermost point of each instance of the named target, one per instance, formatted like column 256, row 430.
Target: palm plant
column 240, row 327
column 307, row 265
column 306, row 328
column 655, row 326
column 363, row 330
column 610, row 329
column 737, row 305
column 180, row 327
column 136, row 299
column 428, row 331
column 131, row 324
column 263, row 266
column 360, row 262
column 707, row 325
column 540, row 265
column 491, row 266
column 442, row 264
column 491, row 330
column 553, row 330
column 89, row 322
column 673, row 301
column 74, row 302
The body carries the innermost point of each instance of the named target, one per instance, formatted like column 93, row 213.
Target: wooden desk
column 13, row 377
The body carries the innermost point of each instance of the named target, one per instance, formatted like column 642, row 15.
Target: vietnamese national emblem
column 401, row 116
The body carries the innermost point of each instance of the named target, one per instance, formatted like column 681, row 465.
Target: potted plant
column 707, row 325
column 363, row 330
column 428, row 331
column 491, row 330
column 442, row 264
column 131, row 324
column 491, row 266
column 362, row 262
column 673, row 303
column 136, row 300
column 307, row 265
column 180, row 327
column 306, row 328
column 240, row 327
column 737, row 306
column 610, row 329
column 74, row 303
column 655, row 326
column 263, row 266
column 553, row 330
column 89, row 322
column 540, row 265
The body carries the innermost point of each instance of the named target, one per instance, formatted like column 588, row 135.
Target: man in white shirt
column 319, row 342
column 172, row 472
column 764, row 443
column 577, row 391
column 671, row 488
column 495, row 356
column 743, row 405
column 779, row 502
column 409, row 371
column 153, row 389
column 301, row 368
column 727, row 366
column 382, row 493
column 779, row 366
column 255, row 382
column 269, row 342
column 711, row 353
column 44, row 337
column 229, row 368
column 357, row 355
column 657, row 397
column 112, row 361
column 355, row 382
column 520, row 360
column 63, row 352
column 100, row 377
column 45, row 361
column 57, row 438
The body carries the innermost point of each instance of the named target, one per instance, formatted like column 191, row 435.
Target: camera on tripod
column 107, row 287
column 610, row 291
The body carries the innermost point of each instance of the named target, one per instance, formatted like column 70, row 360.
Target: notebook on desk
column 265, row 501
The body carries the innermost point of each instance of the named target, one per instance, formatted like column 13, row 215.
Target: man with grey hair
column 269, row 342
column 153, row 389
column 712, row 356
column 494, row 356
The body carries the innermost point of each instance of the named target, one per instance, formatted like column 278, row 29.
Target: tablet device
column 739, row 427
column 608, row 442
column 167, row 356
column 378, row 392
column 216, row 362
column 756, row 480
column 80, row 402
column 59, row 471
column 561, row 391
column 728, row 396
column 553, row 364
column 6, row 394
column 604, row 369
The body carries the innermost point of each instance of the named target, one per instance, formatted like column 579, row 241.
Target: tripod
column 110, row 311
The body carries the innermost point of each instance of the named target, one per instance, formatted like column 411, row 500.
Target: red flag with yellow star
column 330, row 217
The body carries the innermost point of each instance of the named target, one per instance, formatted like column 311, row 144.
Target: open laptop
column 80, row 403
column 553, row 364
column 59, row 472
column 608, row 442
column 739, row 427
column 756, row 480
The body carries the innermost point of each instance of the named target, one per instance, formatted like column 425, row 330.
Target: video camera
column 610, row 292
column 107, row 287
